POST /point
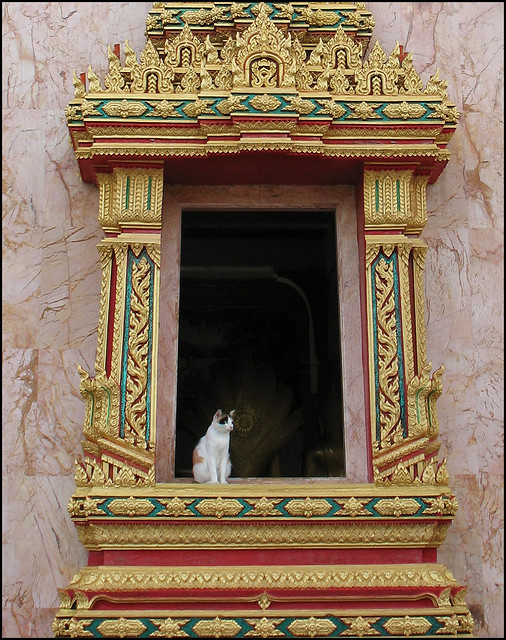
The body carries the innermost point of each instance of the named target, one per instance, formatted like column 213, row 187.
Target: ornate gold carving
column 217, row 628
column 379, row 74
column 170, row 628
column 264, row 627
column 321, row 577
column 397, row 507
column 308, row 507
column 124, row 108
column 164, row 109
column 101, row 396
column 265, row 103
column 234, row 103
column 85, row 508
column 404, row 111
column 264, row 602
column 121, row 628
column 130, row 197
column 197, row 108
column 105, row 252
column 311, row 627
column 418, row 218
column 387, row 199
column 309, row 75
column 136, row 376
column 388, row 365
column 264, row 507
column 219, row 507
column 131, row 507
column 79, row 88
column 175, row 507
column 407, row 626
column 101, row 536
column 445, row 112
column 299, row 105
column 353, row 507
column 360, row 627
column 72, row 628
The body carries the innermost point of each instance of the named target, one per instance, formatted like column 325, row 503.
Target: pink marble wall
column 51, row 283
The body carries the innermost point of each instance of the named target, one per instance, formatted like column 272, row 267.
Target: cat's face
column 224, row 421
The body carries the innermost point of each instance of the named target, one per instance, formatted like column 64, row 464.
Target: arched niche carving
column 262, row 555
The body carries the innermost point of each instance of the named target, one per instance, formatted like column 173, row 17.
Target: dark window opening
column 259, row 333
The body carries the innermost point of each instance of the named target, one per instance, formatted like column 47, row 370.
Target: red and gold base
column 264, row 561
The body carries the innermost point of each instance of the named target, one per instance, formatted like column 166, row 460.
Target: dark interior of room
column 259, row 333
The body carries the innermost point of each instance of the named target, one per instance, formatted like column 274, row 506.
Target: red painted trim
column 259, row 557
column 110, row 318
column 230, row 601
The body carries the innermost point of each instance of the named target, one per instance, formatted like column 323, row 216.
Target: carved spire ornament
column 217, row 84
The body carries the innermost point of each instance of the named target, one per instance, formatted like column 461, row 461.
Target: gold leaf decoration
column 299, row 105
column 170, row 628
column 404, row 111
column 451, row 624
column 360, row 627
column 197, row 108
column 397, row 507
column 264, row 627
column 308, row 507
column 165, row 109
column 121, row 628
column 88, row 108
column 265, row 103
column 311, row 627
column 332, row 108
column 353, row 507
column 445, row 112
column 124, row 108
column 219, row 507
column 364, row 110
column 131, row 507
column 265, row 507
column 234, row 103
column 175, row 507
column 72, row 628
column 217, row 628
column 407, row 626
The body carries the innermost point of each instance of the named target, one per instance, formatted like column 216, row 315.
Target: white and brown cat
column 211, row 458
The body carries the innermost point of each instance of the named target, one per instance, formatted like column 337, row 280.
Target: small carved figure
column 211, row 458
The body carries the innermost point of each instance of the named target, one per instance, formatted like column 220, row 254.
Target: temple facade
column 291, row 224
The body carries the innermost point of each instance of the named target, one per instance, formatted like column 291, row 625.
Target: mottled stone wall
column 51, row 284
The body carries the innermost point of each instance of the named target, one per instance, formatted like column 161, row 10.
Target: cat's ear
column 218, row 414
column 231, row 414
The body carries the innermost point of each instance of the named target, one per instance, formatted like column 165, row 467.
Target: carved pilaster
column 404, row 425
column 121, row 399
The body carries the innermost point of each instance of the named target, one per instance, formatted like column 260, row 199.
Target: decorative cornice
column 322, row 577
column 231, row 63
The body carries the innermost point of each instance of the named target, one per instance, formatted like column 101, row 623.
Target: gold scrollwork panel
column 404, row 423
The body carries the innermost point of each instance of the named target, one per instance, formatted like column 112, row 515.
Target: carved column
column 120, row 400
column 402, row 394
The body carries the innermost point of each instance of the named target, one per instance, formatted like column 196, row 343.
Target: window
column 259, row 333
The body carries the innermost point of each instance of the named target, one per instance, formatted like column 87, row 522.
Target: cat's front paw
column 212, row 482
